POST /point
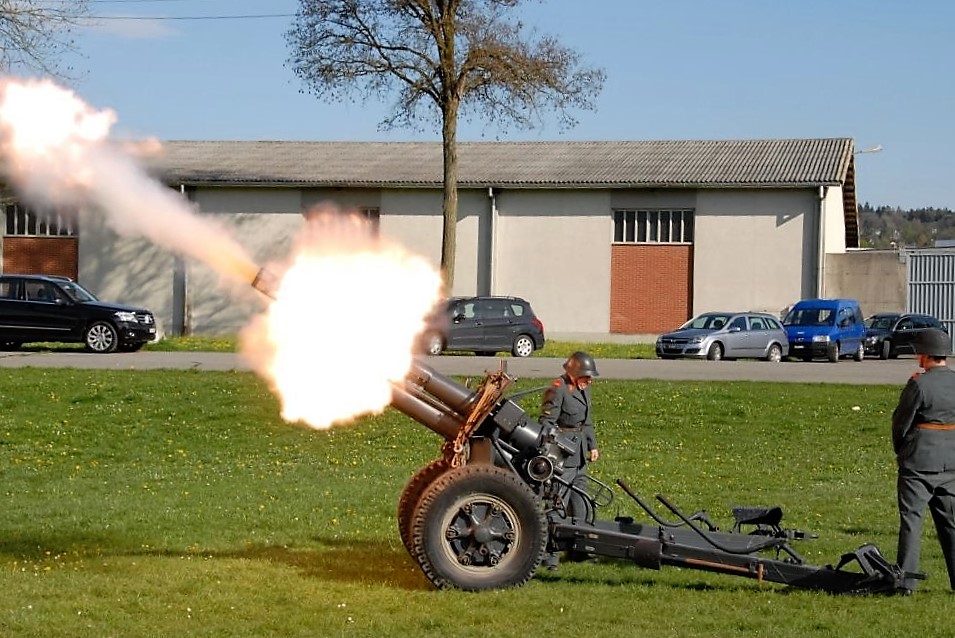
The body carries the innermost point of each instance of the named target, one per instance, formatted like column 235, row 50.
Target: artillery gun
column 485, row 514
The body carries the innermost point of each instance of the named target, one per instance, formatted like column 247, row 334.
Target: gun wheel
column 478, row 527
column 421, row 480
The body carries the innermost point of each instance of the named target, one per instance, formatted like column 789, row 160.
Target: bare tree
column 440, row 57
column 34, row 34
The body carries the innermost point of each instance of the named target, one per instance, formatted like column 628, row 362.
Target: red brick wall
column 41, row 256
column 650, row 287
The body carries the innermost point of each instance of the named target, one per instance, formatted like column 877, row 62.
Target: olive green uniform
column 923, row 434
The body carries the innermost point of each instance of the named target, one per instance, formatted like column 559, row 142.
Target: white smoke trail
column 56, row 154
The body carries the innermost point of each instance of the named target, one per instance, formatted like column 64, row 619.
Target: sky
column 878, row 71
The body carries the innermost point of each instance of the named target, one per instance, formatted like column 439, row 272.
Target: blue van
column 829, row 328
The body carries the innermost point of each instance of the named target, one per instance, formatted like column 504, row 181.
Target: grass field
column 162, row 503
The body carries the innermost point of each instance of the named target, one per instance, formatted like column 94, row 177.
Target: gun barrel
column 443, row 423
column 457, row 397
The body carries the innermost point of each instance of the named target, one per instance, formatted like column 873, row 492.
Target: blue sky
column 879, row 71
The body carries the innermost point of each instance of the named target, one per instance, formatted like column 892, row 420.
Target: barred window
column 23, row 222
column 653, row 226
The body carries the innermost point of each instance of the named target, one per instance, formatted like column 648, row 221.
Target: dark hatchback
column 889, row 334
column 47, row 308
column 485, row 326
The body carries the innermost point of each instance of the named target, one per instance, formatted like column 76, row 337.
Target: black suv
column 49, row 308
column 889, row 334
column 485, row 326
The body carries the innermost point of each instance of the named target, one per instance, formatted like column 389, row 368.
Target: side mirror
column 734, row 329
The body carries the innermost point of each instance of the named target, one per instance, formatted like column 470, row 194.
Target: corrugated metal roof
column 621, row 164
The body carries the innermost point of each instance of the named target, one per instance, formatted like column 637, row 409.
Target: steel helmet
column 933, row 342
column 581, row 364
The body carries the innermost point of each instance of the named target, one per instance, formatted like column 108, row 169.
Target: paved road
column 891, row 372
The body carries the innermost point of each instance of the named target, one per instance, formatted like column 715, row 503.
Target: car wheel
column 101, row 337
column 433, row 343
column 715, row 353
column 775, row 354
column 523, row 346
column 832, row 352
column 886, row 351
column 859, row 354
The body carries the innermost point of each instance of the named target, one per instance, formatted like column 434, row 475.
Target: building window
column 23, row 222
column 653, row 226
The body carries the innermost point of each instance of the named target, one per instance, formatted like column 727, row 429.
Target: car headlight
column 126, row 317
column 821, row 339
column 696, row 340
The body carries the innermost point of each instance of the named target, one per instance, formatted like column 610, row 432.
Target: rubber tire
column 715, row 353
column 482, row 487
column 101, row 337
column 886, row 350
column 433, row 343
column 832, row 352
column 420, row 481
column 859, row 354
column 775, row 353
column 523, row 346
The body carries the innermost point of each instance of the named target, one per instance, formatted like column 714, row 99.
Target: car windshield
column 709, row 321
column 810, row 317
column 77, row 292
column 881, row 322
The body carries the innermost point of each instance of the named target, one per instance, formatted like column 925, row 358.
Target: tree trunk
column 449, row 133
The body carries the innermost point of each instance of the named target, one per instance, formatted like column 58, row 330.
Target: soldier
column 566, row 404
column 923, row 434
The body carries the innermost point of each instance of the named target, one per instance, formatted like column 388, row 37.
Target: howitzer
column 485, row 514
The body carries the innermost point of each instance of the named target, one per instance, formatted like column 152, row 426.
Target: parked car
column 889, row 334
column 47, row 308
column 485, row 326
column 726, row 335
column 829, row 328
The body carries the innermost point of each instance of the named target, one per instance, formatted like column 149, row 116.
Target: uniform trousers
column 917, row 489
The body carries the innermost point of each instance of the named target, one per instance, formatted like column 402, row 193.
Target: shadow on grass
column 357, row 561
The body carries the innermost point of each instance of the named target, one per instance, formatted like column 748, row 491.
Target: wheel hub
column 480, row 533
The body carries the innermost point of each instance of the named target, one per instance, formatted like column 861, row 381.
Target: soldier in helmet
column 923, row 434
column 566, row 404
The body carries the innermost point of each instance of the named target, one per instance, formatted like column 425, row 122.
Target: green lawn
column 162, row 503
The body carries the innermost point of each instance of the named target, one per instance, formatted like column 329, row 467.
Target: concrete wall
column 554, row 250
column 877, row 278
column 126, row 270
column 751, row 248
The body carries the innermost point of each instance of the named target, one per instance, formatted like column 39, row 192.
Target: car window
column 906, row 324
column 516, row 309
column 493, row 309
column 881, row 323
column 846, row 317
column 810, row 317
column 739, row 322
column 8, row 289
column 77, row 292
column 757, row 323
column 706, row 322
column 39, row 291
column 772, row 324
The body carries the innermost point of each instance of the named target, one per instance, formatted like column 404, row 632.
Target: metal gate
column 930, row 284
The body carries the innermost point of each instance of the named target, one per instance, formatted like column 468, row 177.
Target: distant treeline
column 889, row 227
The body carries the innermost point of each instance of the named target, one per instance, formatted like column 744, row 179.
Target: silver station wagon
column 726, row 335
